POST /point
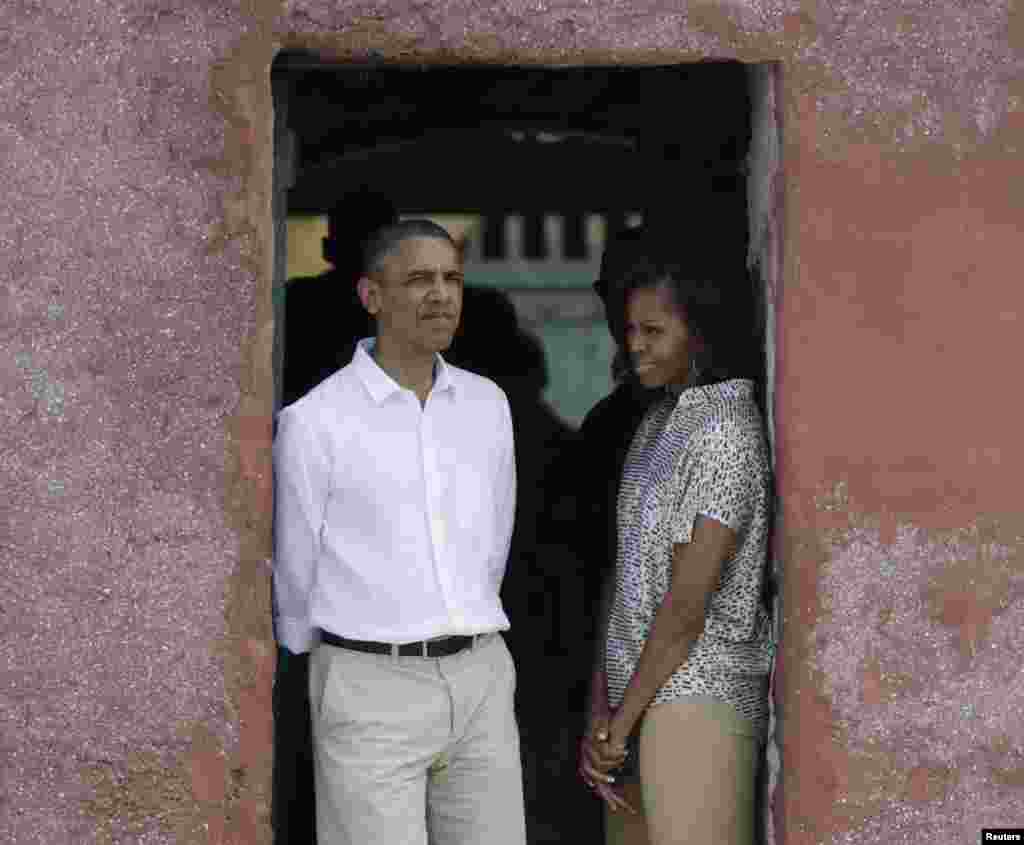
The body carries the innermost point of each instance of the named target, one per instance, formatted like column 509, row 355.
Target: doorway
column 531, row 169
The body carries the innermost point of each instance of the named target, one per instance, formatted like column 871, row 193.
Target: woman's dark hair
column 715, row 304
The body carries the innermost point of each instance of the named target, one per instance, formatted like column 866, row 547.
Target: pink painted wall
column 135, row 232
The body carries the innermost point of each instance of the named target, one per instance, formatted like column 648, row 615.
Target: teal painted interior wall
column 578, row 350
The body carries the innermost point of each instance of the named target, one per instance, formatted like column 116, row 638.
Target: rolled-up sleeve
column 301, row 475
column 726, row 479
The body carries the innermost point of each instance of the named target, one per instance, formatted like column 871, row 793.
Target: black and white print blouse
column 702, row 452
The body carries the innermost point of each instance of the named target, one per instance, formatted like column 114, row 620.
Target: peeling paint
column 917, row 653
column 45, row 390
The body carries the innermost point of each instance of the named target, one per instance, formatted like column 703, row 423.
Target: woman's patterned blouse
column 701, row 452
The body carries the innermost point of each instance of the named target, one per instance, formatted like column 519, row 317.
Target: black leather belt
column 425, row 648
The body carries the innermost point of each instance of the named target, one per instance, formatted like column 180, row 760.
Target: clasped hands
column 602, row 750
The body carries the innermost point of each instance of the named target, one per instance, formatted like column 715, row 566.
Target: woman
column 687, row 642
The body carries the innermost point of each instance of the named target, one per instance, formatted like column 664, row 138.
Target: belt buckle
column 424, row 648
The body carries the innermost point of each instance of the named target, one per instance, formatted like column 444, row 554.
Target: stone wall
column 137, row 332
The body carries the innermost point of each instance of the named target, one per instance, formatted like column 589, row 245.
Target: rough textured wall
column 136, row 340
column 133, row 701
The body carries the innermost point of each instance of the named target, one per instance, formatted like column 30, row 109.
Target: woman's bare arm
column 678, row 623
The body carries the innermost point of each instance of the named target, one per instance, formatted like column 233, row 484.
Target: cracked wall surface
column 135, row 347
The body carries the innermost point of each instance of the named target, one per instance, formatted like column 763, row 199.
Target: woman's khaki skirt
column 697, row 776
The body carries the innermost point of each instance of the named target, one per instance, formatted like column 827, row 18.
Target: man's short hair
column 385, row 240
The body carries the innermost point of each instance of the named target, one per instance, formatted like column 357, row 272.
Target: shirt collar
column 380, row 385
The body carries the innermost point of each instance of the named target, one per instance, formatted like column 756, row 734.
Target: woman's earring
column 693, row 376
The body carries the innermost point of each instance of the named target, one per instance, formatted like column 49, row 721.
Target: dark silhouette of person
column 606, row 431
column 541, row 576
column 323, row 321
column 323, row 315
column 491, row 342
column 580, row 511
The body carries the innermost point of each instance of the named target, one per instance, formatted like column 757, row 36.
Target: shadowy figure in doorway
column 544, row 578
column 491, row 342
column 323, row 313
column 323, row 320
column 580, row 519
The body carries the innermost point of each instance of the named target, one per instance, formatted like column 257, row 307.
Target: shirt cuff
column 296, row 635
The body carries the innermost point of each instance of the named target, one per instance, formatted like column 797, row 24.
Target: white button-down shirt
column 392, row 519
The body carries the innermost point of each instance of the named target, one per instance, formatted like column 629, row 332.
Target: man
column 394, row 512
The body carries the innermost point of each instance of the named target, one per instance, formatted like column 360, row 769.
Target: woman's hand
column 597, row 759
column 597, row 726
column 618, row 731
column 602, row 783
column 600, row 754
column 613, row 798
column 592, row 766
column 607, row 751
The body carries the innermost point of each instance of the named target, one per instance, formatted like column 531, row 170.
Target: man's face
column 416, row 295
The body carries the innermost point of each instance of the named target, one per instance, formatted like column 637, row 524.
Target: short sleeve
column 724, row 477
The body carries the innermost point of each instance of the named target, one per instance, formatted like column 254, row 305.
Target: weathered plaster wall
column 902, row 696
column 136, row 645
column 135, row 232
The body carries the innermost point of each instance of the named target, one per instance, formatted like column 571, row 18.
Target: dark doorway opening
column 531, row 168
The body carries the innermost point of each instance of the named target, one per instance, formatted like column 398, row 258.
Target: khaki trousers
column 698, row 763
column 411, row 750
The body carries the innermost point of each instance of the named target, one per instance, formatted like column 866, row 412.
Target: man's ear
column 368, row 294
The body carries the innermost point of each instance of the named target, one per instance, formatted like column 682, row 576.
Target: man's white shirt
column 392, row 519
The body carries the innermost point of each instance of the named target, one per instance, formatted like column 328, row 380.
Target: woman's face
column 659, row 343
